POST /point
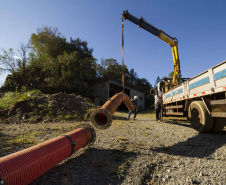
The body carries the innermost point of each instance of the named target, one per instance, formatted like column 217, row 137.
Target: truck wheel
column 218, row 124
column 199, row 117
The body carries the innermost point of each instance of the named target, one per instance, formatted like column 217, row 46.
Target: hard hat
column 135, row 97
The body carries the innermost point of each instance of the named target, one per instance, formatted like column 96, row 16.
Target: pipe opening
column 101, row 119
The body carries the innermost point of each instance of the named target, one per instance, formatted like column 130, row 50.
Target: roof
column 114, row 81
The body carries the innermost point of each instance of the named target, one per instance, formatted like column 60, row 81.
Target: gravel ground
column 143, row 151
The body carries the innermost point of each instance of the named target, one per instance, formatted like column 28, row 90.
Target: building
column 103, row 89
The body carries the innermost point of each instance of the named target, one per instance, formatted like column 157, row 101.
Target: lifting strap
column 73, row 144
column 123, row 55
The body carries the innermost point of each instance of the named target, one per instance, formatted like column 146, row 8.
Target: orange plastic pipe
column 102, row 117
column 23, row 167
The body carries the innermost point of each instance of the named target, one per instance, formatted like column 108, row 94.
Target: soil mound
column 45, row 107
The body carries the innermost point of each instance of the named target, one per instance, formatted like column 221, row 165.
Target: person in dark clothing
column 134, row 101
column 158, row 104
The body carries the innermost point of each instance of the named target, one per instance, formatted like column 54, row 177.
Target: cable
column 123, row 55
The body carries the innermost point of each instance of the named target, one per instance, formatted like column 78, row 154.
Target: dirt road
column 137, row 152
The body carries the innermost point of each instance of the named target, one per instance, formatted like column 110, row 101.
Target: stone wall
column 100, row 92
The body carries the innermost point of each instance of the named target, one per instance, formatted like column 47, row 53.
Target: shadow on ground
column 184, row 123
column 119, row 118
column 95, row 166
column 5, row 146
column 201, row 145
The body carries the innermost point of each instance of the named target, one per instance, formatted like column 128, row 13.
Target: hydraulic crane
column 172, row 41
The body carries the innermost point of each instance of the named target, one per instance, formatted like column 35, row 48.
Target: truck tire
column 218, row 124
column 199, row 117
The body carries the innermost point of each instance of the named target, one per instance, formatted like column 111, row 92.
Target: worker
column 134, row 101
column 158, row 104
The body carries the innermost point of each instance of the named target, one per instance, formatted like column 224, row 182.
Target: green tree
column 171, row 74
column 16, row 66
column 131, row 76
column 157, row 80
column 47, row 43
column 110, row 68
column 8, row 61
column 64, row 66
column 75, row 73
column 55, row 65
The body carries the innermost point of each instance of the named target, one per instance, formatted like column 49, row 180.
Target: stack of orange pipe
column 102, row 117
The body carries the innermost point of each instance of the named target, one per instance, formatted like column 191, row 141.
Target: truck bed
column 210, row 81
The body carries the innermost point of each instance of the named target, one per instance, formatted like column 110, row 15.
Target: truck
column 202, row 99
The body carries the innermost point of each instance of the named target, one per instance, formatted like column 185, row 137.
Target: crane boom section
column 172, row 41
column 150, row 28
column 176, row 66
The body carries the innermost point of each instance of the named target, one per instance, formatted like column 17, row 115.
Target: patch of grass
column 111, row 135
column 21, row 137
column 31, row 120
column 129, row 132
column 10, row 98
column 117, row 122
column 146, row 134
column 140, row 142
column 37, row 133
column 49, row 114
column 32, row 104
column 87, row 117
column 123, row 138
column 68, row 116
column 42, row 109
column 41, row 106
column 28, row 137
column 24, row 140
column 9, row 142
column 28, row 95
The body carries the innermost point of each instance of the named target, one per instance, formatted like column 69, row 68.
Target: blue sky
column 199, row 26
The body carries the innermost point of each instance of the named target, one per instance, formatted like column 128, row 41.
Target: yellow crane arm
column 172, row 41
